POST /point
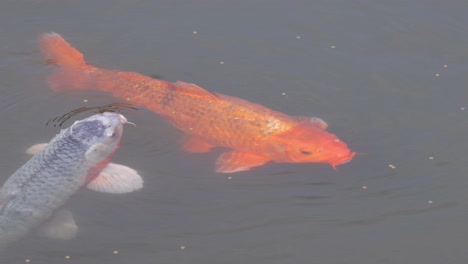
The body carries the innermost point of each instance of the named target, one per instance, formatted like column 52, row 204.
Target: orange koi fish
column 254, row 133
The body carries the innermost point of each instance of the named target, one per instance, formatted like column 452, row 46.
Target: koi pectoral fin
column 61, row 226
column 315, row 121
column 235, row 161
column 33, row 150
column 195, row 144
column 116, row 178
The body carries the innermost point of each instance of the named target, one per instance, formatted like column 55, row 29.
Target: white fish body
column 33, row 196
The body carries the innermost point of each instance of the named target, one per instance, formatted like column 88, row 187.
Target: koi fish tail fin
column 57, row 50
column 73, row 72
column 71, row 78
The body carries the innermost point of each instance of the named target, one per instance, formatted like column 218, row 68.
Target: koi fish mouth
column 342, row 160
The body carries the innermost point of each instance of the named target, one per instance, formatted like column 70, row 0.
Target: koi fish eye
column 306, row 152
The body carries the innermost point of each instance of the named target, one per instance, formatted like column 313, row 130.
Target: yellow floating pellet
column 430, row 202
column 392, row 166
column 116, row 252
column 437, row 74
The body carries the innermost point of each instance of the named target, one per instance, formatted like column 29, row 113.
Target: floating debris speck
column 230, row 178
column 437, row 75
column 182, row 247
column 283, row 94
column 67, row 257
column 431, row 158
column 195, row 32
column 298, row 37
column 462, row 108
column 85, row 100
column 392, row 166
column 364, row 187
column 221, row 62
column 115, row 252
column 445, row 65
column 430, row 202
column 27, row 260
column 332, row 46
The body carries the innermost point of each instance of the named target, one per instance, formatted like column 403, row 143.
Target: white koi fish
column 33, row 197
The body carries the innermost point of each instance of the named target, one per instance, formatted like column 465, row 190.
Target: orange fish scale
column 221, row 117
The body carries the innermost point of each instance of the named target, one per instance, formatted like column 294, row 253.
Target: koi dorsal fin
column 194, row 89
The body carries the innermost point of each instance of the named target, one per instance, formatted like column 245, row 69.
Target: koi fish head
column 100, row 134
column 309, row 143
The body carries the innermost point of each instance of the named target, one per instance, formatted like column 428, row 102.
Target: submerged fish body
column 256, row 134
column 34, row 195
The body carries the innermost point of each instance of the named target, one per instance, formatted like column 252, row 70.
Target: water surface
column 389, row 78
